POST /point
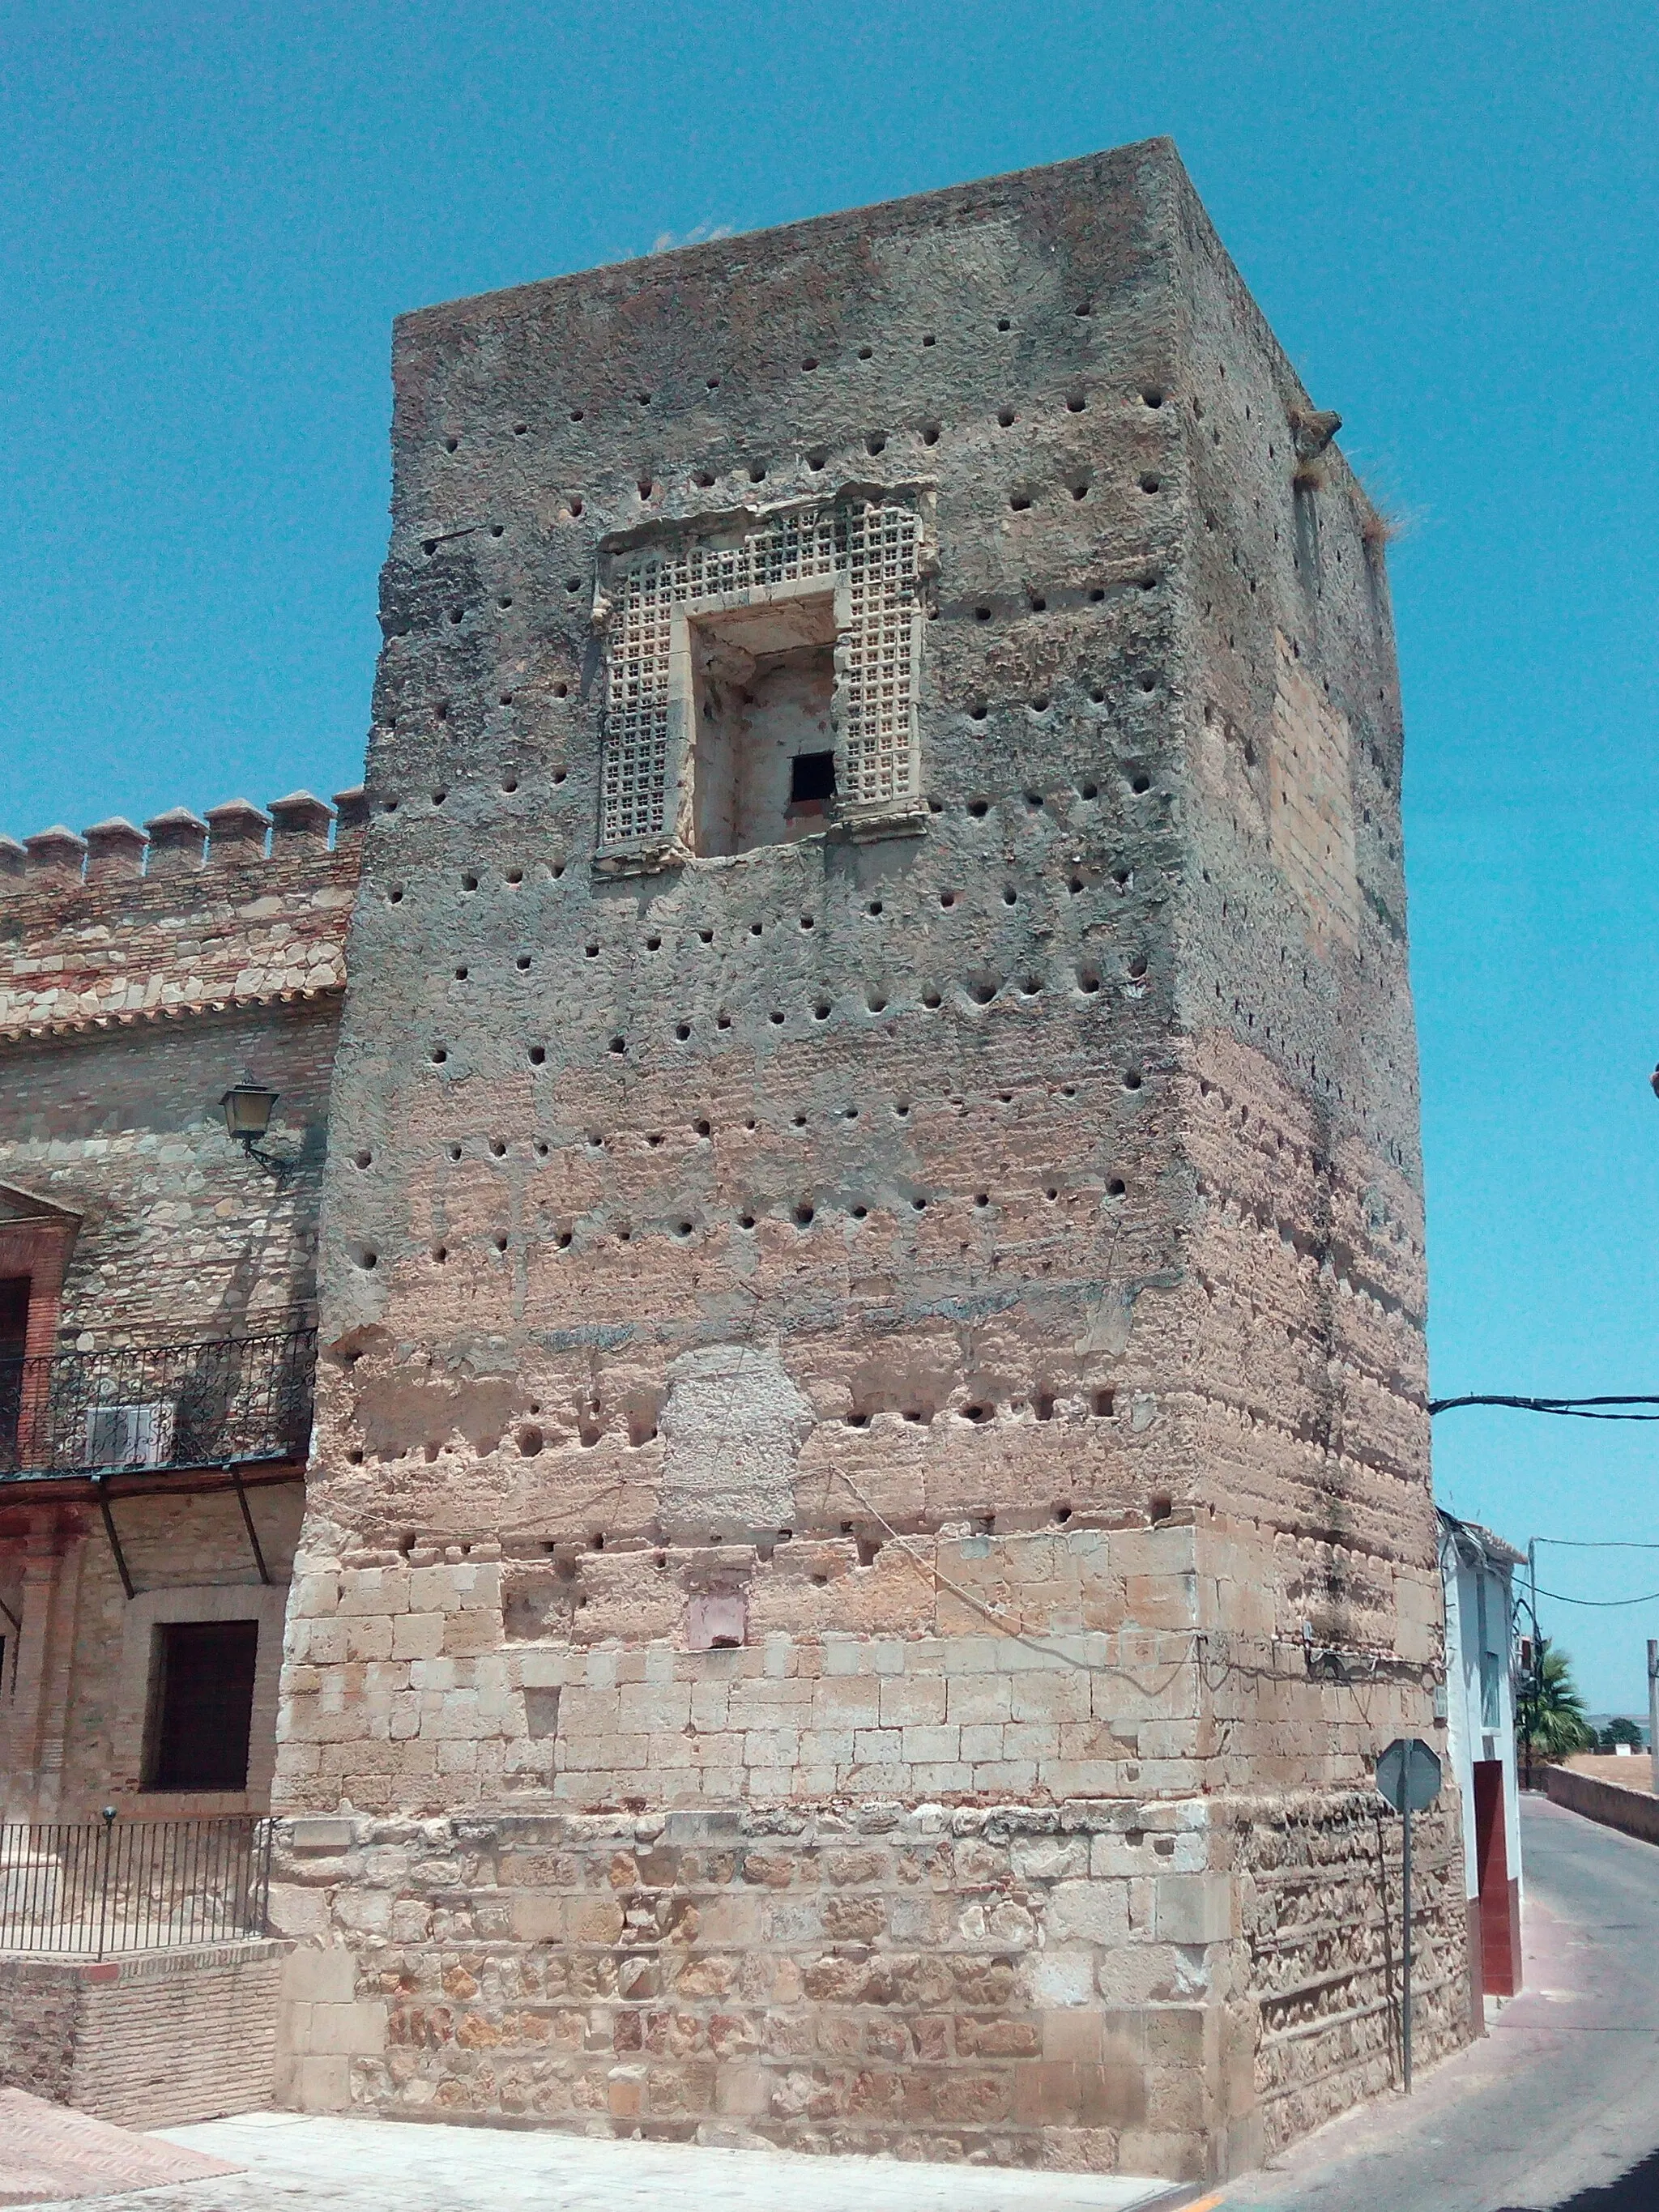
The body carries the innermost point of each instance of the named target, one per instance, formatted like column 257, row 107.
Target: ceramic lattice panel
column 864, row 549
column 878, row 691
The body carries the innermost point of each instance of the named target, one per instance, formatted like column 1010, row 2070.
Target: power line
column 1596, row 1543
column 1561, row 1598
column 1581, row 1409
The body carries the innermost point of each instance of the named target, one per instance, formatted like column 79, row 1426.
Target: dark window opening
column 14, row 1335
column 202, row 1704
column 811, row 778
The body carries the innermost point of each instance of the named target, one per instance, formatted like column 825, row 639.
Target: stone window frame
column 183, row 1602
column 800, row 549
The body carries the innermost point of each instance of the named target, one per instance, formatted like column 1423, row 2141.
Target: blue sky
column 1448, row 214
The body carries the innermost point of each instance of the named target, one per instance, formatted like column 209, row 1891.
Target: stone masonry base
column 155, row 2039
column 1166, row 1988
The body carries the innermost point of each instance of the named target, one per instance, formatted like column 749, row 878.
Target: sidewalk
column 324, row 2164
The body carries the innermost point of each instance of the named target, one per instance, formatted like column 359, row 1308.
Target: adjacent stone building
column 157, row 1300
column 870, row 1503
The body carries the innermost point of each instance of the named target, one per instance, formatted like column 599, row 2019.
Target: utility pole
column 1408, row 1777
column 1536, row 1669
column 1653, row 1708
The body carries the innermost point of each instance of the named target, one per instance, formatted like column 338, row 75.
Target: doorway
column 1498, row 1896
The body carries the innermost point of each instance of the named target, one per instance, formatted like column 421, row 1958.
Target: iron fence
column 158, row 1406
column 91, row 1889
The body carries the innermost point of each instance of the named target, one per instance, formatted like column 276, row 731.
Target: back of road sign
column 1408, row 1774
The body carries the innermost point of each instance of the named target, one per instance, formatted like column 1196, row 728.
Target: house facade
column 1478, row 1571
column 158, row 1295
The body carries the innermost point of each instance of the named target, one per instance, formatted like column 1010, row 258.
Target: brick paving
column 48, row 2153
column 385, row 2166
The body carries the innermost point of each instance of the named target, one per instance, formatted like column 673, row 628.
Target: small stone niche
column 716, row 1622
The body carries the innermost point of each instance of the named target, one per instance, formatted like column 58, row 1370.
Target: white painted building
column 1477, row 1569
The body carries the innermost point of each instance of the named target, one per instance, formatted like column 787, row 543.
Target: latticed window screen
column 871, row 545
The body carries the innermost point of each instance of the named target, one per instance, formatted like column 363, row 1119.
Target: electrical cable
column 1596, row 1543
column 1561, row 1598
column 1575, row 1408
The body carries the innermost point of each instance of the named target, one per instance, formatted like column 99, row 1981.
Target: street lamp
column 246, row 1109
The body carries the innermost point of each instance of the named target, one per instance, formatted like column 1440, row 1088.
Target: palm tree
column 1551, row 1721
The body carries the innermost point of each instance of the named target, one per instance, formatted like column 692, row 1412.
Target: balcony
column 150, row 1407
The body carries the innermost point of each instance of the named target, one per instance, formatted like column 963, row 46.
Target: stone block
column 472, row 1630
column 374, row 1590
column 308, row 1835
column 878, row 1746
column 298, row 1912
column 320, row 1974
column 320, row 2084
column 1062, row 1978
column 1049, row 1698
column 1049, row 1858
column 417, row 1635
column 1193, row 1908
column 843, row 1702
column 355, row 2030
column 982, row 1742
column 1089, row 1912
column 978, row 1698
column 1074, row 2035
column 911, row 1700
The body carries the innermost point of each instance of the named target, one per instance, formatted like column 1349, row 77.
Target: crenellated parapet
column 243, row 905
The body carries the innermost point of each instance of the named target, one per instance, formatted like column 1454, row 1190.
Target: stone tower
column 871, row 1499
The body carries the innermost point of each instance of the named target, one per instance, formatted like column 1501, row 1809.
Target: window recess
column 761, row 680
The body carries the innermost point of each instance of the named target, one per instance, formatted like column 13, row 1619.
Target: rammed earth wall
column 927, row 1313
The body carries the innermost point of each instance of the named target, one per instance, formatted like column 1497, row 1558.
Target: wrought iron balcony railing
column 151, row 1406
column 110, row 1885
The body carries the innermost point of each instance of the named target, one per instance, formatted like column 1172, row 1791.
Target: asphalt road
column 1556, row 2110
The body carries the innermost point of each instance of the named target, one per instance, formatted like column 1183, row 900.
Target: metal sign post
column 1408, row 1777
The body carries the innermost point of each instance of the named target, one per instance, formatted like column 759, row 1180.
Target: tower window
column 811, row 779
column 736, row 647
column 763, row 766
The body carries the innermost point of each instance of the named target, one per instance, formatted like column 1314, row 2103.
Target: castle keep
column 871, row 1499
column 869, row 1505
